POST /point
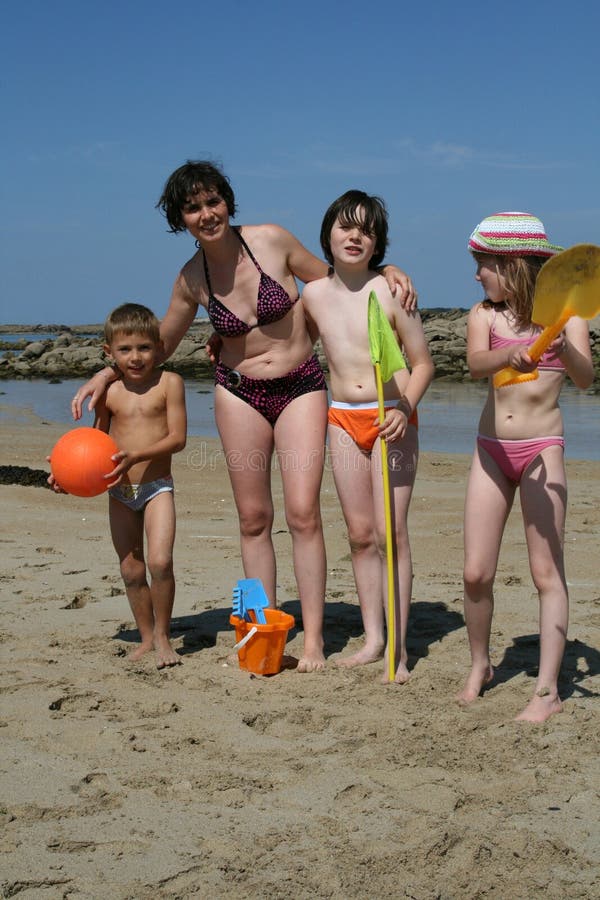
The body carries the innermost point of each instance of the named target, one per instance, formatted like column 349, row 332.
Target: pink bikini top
column 548, row 360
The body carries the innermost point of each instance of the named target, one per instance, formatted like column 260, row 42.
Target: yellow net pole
column 389, row 542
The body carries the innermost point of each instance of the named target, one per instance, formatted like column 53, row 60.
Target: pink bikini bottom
column 513, row 457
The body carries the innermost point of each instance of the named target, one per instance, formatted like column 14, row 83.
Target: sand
column 120, row 781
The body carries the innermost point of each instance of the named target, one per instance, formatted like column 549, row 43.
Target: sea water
column 448, row 414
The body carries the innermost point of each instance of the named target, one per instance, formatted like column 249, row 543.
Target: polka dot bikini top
column 273, row 303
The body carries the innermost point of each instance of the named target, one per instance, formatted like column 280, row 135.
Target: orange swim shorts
column 356, row 419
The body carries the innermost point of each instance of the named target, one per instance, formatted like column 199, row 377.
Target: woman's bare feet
column 165, row 655
column 144, row 647
column 477, row 680
column 543, row 704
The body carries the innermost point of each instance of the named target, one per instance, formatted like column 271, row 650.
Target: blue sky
column 449, row 111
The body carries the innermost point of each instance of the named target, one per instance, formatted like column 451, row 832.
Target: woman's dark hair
column 188, row 180
column 365, row 212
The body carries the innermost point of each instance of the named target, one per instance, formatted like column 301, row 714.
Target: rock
column 71, row 356
column 64, row 340
column 35, row 349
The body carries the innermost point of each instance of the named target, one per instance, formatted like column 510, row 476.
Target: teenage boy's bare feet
column 367, row 654
column 402, row 675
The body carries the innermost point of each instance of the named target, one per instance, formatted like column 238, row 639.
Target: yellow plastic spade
column 567, row 285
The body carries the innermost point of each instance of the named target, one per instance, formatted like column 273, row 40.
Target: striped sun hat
column 512, row 234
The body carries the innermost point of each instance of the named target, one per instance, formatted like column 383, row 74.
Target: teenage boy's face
column 350, row 244
column 134, row 354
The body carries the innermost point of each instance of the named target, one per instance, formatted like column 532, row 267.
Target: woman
column 270, row 393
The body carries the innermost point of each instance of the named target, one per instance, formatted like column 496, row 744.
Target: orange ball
column 79, row 460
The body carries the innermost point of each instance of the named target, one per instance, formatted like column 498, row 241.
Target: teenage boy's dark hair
column 188, row 180
column 367, row 213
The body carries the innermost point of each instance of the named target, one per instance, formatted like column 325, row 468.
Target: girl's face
column 350, row 244
column 205, row 215
column 489, row 275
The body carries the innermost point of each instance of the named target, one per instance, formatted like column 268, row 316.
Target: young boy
column 354, row 239
column 145, row 413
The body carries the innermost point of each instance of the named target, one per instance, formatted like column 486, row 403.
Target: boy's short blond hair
column 132, row 318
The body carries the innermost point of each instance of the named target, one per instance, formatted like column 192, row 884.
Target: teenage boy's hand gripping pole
column 387, row 358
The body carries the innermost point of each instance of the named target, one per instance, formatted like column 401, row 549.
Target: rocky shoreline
column 74, row 354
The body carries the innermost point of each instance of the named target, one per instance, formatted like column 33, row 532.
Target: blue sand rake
column 249, row 598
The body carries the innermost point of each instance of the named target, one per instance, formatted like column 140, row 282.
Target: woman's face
column 489, row 275
column 205, row 215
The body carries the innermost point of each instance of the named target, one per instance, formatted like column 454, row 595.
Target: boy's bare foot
column 362, row 657
column 144, row 647
column 308, row 663
column 543, row 704
column 474, row 685
column 165, row 655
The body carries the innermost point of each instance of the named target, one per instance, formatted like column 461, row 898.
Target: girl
column 520, row 444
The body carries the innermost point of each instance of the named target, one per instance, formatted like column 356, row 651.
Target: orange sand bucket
column 262, row 652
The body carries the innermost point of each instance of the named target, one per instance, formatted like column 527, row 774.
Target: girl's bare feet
column 477, row 680
column 367, row 654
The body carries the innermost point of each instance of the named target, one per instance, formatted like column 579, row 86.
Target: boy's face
column 350, row 244
column 134, row 354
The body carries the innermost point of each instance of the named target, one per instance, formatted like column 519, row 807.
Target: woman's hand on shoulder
column 94, row 388
column 400, row 285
